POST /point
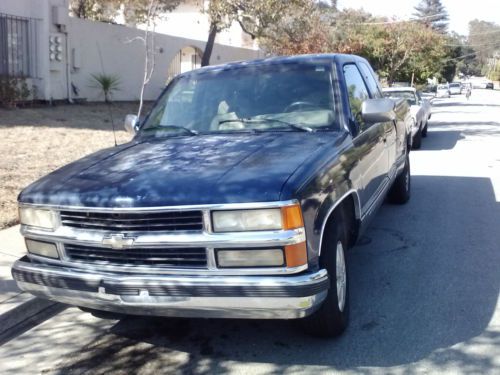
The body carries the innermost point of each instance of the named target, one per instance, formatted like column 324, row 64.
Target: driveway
column 425, row 287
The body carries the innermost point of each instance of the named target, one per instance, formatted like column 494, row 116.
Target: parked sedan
column 482, row 83
column 427, row 109
column 455, row 88
column 466, row 86
column 419, row 114
column 443, row 91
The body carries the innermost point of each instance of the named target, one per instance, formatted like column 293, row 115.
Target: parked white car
column 427, row 108
column 455, row 88
column 443, row 91
column 420, row 110
column 481, row 83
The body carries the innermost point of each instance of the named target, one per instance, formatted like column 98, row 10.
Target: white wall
column 189, row 21
column 123, row 56
column 23, row 8
column 51, row 76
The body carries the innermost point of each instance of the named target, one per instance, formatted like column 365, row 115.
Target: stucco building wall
column 67, row 50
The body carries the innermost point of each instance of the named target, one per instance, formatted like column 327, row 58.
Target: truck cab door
column 391, row 147
column 390, row 127
column 369, row 142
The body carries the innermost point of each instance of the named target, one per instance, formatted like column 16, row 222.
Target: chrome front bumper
column 260, row 297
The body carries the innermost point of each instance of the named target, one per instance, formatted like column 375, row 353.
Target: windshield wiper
column 265, row 119
column 175, row 127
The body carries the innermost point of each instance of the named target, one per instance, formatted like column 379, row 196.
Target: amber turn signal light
column 292, row 217
column 296, row 255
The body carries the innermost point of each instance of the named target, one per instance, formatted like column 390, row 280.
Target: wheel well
column 346, row 212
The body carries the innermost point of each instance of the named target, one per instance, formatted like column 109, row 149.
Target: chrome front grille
column 161, row 257
column 172, row 221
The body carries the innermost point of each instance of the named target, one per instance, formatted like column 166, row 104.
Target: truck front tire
column 417, row 140
column 332, row 317
column 401, row 189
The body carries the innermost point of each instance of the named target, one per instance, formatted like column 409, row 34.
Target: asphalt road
column 425, row 287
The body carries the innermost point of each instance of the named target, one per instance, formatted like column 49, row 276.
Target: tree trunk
column 207, row 53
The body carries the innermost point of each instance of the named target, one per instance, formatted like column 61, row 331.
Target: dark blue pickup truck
column 237, row 198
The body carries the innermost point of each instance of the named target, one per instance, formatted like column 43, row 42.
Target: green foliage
column 484, row 39
column 257, row 18
column 136, row 11
column 13, row 90
column 432, row 13
column 402, row 50
column 106, row 83
column 494, row 71
column 301, row 30
column 95, row 10
column 397, row 50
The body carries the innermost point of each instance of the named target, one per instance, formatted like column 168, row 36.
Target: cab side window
column 370, row 80
column 358, row 93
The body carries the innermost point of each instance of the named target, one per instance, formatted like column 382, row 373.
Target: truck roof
column 341, row 58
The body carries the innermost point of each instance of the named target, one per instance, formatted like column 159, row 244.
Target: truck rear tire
column 332, row 317
column 401, row 189
column 424, row 130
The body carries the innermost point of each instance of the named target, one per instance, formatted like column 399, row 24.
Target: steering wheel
column 300, row 105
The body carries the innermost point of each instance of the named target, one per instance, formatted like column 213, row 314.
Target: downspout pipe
column 68, row 72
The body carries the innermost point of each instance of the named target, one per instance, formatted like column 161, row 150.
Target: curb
column 29, row 312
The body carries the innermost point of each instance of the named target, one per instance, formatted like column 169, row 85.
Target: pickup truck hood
column 182, row 170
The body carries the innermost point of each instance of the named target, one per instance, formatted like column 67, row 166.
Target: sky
column 460, row 11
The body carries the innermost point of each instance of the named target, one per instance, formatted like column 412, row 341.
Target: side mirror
column 378, row 110
column 131, row 124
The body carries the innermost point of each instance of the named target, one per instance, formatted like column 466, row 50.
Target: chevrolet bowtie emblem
column 117, row 241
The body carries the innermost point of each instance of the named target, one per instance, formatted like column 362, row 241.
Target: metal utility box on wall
column 59, row 16
column 76, row 58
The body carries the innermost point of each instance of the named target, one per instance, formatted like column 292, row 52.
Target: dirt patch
column 36, row 141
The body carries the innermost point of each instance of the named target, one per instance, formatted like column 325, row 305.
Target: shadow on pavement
column 424, row 281
column 445, row 135
column 8, row 286
column 462, row 104
column 441, row 140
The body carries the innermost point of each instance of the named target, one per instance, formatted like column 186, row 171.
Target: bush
column 13, row 90
column 494, row 73
column 106, row 83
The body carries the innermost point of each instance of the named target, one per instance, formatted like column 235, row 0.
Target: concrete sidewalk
column 16, row 307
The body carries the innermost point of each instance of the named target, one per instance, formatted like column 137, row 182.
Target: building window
column 17, row 49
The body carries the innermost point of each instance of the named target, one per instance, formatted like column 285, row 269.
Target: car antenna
column 108, row 104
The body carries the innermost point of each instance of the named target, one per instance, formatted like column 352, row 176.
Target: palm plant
column 107, row 83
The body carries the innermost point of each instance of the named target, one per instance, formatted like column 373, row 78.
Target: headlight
column 36, row 217
column 247, row 220
column 289, row 217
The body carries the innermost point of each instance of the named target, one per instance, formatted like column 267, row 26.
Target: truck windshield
column 291, row 97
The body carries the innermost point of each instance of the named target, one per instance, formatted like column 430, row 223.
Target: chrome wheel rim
column 341, row 276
